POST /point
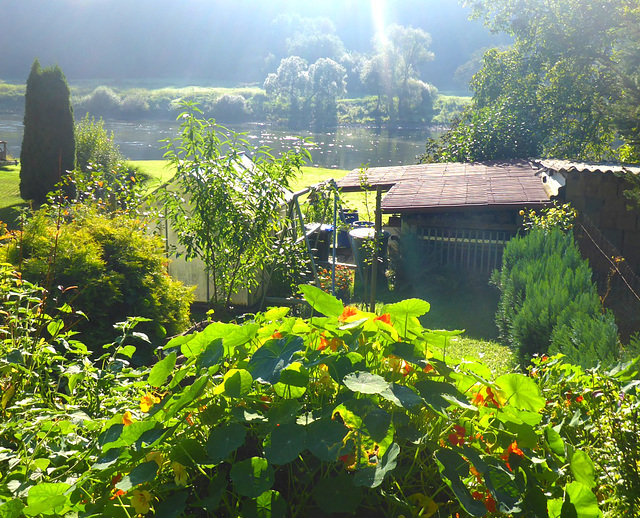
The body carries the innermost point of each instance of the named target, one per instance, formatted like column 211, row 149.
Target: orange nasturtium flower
column 141, row 501
column 386, row 318
column 512, row 449
column 348, row 312
column 457, row 437
column 147, row 401
column 127, row 418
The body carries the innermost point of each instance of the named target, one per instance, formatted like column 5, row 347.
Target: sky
column 208, row 40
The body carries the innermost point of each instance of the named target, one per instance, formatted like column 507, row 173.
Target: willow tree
column 48, row 144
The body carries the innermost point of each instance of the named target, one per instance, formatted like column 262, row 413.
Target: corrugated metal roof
column 580, row 167
column 427, row 187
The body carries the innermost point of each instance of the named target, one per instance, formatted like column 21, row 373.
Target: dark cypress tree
column 48, row 144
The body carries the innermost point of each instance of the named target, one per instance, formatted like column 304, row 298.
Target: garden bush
column 548, row 302
column 95, row 146
column 103, row 265
column 345, row 412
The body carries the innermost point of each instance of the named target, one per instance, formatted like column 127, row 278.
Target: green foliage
column 300, row 89
column 548, row 301
column 95, row 147
column 11, row 97
column 562, row 217
column 224, row 207
column 105, row 266
column 347, row 412
column 449, row 108
column 567, row 88
column 48, row 144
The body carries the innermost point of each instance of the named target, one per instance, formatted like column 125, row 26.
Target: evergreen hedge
column 48, row 144
column 548, row 302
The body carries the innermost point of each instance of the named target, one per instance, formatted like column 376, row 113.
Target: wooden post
column 377, row 234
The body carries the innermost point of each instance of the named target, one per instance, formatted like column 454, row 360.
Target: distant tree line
column 318, row 70
column 310, row 79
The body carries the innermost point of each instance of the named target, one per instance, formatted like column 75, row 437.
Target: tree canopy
column 569, row 87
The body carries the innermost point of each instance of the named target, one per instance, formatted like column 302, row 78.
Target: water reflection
column 343, row 148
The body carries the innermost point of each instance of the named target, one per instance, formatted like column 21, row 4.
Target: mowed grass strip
column 160, row 171
column 10, row 200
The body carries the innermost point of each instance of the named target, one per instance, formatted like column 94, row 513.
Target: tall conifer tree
column 48, row 144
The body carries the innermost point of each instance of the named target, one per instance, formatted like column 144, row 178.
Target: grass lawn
column 160, row 172
column 10, row 199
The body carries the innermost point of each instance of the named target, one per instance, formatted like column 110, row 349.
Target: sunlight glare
column 378, row 8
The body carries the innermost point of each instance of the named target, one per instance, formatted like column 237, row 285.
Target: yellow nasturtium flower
column 141, row 501
column 156, row 456
column 180, row 475
column 127, row 418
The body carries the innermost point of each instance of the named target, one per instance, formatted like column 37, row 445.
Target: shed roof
column 448, row 186
column 567, row 166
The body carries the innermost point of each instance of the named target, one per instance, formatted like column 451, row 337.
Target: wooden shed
column 464, row 213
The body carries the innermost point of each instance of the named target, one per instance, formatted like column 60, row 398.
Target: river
column 340, row 148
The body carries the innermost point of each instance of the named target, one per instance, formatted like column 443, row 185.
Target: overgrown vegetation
column 536, row 99
column 348, row 412
column 228, row 105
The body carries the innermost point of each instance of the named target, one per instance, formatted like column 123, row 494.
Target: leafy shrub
column 104, row 266
column 230, row 108
column 11, row 98
column 548, row 301
column 95, row 147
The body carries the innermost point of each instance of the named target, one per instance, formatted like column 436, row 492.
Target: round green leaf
column 45, row 497
column 324, row 438
column 583, row 469
column 407, row 308
column 237, row 383
column 162, row 370
column 252, row 477
column 268, row 361
column 521, row 392
column 189, row 452
column 269, row 504
column 142, row 473
column 287, row 441
column 554, row 440
column 321, row 301
column 293, row 381
column 225, row 440
column 365, row 382
column 402, row 396
column 342, row 364
column 580, row 501
column 374, row 475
